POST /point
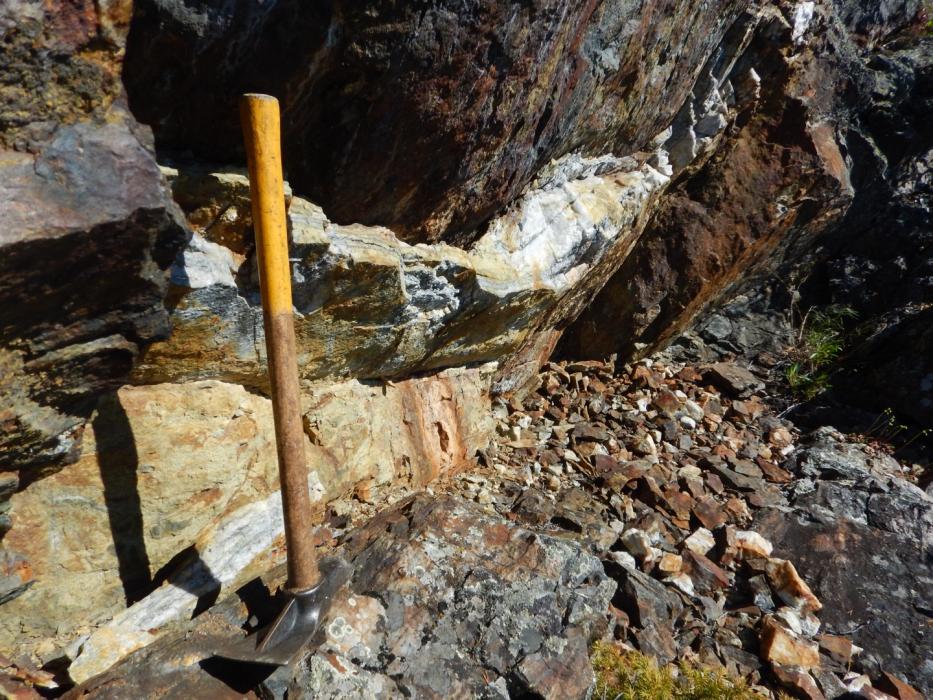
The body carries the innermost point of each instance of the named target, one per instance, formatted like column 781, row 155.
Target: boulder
column 777, row 175
column 444, row 114
column 858, row 238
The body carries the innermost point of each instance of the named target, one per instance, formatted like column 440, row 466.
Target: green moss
column 633, row 676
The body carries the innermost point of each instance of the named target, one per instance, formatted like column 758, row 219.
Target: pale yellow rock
column 670, row 563
column 750, row 542
column 701, row 541
column 157, row 466
column 191, row 467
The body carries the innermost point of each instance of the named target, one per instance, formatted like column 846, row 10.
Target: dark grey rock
column 829, row 683
column 88, row 228
column 645, row 599
column 733, row 379
column 447, row 600
column 863, row 539
column 457, row 105
column 468, row 596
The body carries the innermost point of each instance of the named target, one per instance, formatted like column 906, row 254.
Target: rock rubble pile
column 683, row 480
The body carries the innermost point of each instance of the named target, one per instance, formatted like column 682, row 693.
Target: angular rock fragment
column 838, row 648
column 790, row 587
column 830, row 684
column 646, row 601
column 762, row 593
column 710, row 513
column 637, row 543
column 894, row 686
column 700, row 542
column 705, row 574
column 782, row 648
column 733, row 379
column 798, row 681
column 558, row 674
column 803, row 624
column 670, row 563
column 753, row 543
column 773, row 472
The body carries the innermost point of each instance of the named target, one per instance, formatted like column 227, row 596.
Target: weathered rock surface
column 472, row 599
column 88, row 226
column 863, row 538
column 179, row 484
column 447, row 600
column 371, row 306
column 777, row 175
column 720, row 596
column 845, row 117
column 522, row 154
column 446, row 112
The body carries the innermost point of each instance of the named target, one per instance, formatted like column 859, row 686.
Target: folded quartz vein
column 369, row 305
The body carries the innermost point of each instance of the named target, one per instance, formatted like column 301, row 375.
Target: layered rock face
column 179, row 483
column 371, row 306
column 424, row 119
column 776, row 176
column 821, row 196
column 88, row 226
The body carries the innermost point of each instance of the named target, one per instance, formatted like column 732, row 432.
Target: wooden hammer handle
column 259, row 115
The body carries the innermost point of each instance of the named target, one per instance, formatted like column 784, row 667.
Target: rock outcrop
column 175, row 499
column 841, row 140
column 430, row 119
column 371, row 306
column 492, row 584
column 779, row 175
column 468, row 179
column 88, row 227
column 447, row 600
column 864, row 537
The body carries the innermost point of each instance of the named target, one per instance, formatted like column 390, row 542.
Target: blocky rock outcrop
column 426, row 119
column 88, row 226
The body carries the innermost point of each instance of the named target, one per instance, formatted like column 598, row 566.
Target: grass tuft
column 622, row 675
column 820, row 343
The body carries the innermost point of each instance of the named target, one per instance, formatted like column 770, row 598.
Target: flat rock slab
column 447, row 600
column 733, row 379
